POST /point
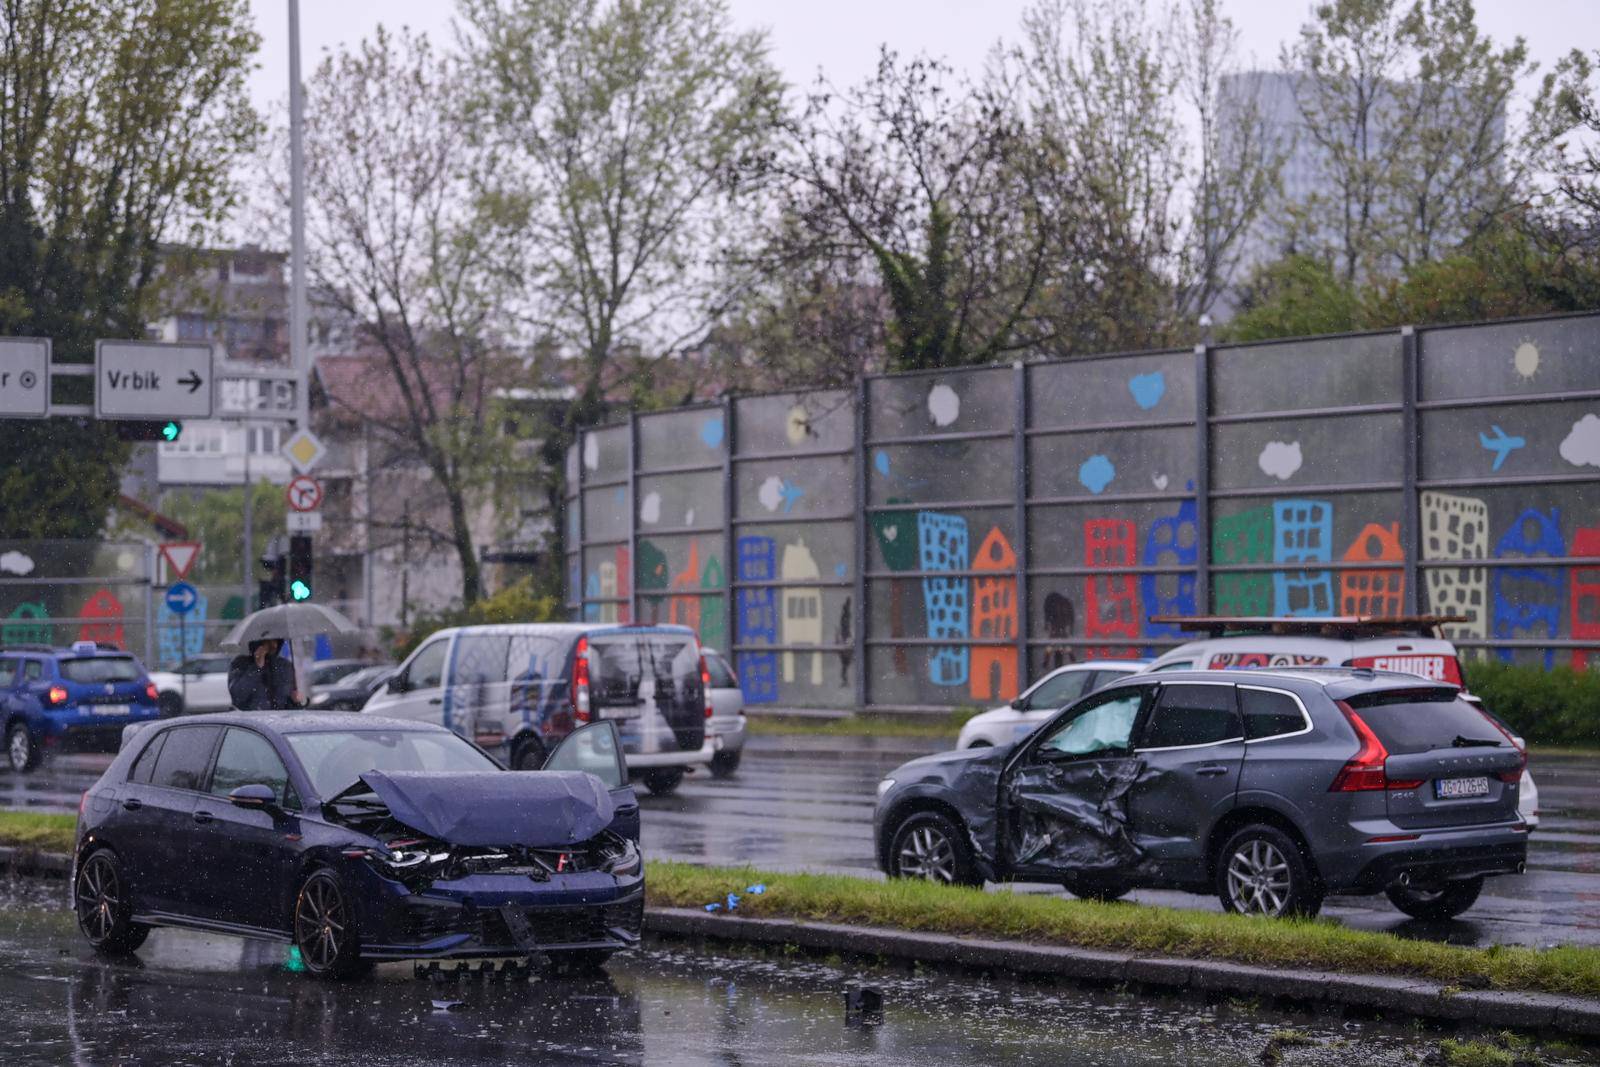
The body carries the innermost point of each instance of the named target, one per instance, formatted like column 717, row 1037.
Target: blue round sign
column 181, row 598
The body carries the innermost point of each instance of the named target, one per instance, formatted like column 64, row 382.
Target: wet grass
column 31, row 829
column 1308, row 944
column 925, row 727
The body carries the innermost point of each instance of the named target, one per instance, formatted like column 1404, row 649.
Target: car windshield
column 335, row 759
column 100, row 669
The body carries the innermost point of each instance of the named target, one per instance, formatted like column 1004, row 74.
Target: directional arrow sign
column 151, row 380
column 24, row 377
column 181, row 598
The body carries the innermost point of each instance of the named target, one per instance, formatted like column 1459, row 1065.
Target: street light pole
column 298, row 355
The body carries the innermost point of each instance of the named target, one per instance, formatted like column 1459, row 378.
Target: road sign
column 180, row 556
column 181, row 598
column 304, row 493
column 151, row 380
column 303, row 521
column 304, row 450
column 24, row 377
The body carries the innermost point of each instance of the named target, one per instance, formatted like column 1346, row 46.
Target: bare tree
column 397, row 242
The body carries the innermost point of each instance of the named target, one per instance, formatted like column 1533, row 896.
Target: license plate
column 111, row 709
column 1452, row 788
column 622, row 711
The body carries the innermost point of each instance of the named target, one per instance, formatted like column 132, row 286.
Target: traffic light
column 271, row 589
column 168, row 431
column 171, row 431
column 300, row 567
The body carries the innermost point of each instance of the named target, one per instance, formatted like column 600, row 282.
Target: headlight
column 885, row 785
column 628, row 864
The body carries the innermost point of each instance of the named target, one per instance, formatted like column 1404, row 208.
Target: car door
column 417, row 691
column 247, row 855
column 157, row 828
column 597, row 749
column 1192, row 747
column 1063, row 793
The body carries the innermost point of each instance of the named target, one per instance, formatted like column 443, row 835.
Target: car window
column 1059, row 691
column 1105, row 678
column 8, row 672
column 1175, row 665
column 145, row 765
column 427, row 668
column 33, row 671
column 185, row 757
column 721, row 674
column 480, row 659
column 1106, row 725
column 1421, row 719
column 593, row 748
column 100, row 669
column 1192, row 715
column 247, row 758
column 1268, row 714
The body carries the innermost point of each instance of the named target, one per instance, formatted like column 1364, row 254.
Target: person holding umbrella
column 263, row 680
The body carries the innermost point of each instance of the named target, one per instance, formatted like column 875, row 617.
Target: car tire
column 662, row 780
column 1262, row 871
column 724, row 764
column 580, row 960
column 528, row 755
column 104, row 906
column 929, row 845
column 1445, row 902
column 325, row 927
column 1103, row 890
column 171, row 705
column 22, row 753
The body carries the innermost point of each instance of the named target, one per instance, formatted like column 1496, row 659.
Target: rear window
column 94, row 669
column 1417, row 720
column 625, row 667
column 721, row 673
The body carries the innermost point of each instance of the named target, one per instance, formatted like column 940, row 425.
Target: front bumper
column 488, row 915
column 1431, row 858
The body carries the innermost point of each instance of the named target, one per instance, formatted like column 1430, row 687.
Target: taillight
column 705, row 683
column 56, row 697
column 580, row 681
column 1365, row 770
column 150, row 691
column 83, row 802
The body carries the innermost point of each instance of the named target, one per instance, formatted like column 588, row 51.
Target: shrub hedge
column 1555, row 707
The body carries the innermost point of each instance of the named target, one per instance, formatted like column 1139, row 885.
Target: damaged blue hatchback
column 360, row 840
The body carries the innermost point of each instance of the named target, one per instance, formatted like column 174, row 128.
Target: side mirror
column 255, row 797
column 1019, row 704
column 397, row 684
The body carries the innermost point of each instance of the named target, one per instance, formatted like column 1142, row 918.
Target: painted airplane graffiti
column 1500, row 444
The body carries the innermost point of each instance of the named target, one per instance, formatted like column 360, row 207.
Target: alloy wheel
column 99, row 896
column 19, row 748
column 1259, row 881
column 927, row 853
column 319, row 923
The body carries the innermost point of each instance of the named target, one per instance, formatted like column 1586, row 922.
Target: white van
column 517, row 690
column 1410, row 644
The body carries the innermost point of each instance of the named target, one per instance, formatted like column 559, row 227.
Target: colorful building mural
column 994, row 618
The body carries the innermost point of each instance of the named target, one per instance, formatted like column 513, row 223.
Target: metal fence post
column 1202, row 479
column 1411, row 501
column 729, row 500
column 633, row 515
column 858, row 633
column 1020, row 456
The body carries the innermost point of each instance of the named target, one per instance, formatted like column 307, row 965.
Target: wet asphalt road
column 805, row 803
column 190, row 998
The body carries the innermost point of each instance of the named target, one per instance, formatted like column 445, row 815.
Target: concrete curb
column 1412, row 996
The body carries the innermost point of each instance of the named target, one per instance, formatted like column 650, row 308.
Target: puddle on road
column 194, row 998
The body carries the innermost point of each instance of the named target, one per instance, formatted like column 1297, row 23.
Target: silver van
column 517, row 690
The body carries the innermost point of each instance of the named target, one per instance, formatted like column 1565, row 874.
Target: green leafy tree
column 519, row 602
column 215, row 518
column 1295, row 297
column 122, row 122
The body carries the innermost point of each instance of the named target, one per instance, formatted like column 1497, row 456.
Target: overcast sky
column 842, row 37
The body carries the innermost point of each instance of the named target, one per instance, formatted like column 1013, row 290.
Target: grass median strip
column 31, row 829
column 1312, row 944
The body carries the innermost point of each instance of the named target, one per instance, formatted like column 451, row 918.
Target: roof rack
column 1340, row 626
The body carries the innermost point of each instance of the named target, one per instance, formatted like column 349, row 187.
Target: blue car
column 358, row 840
column 74, row 699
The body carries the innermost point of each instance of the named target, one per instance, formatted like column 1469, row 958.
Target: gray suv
column 1270, row 788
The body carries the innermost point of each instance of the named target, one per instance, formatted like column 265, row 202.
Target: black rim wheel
column 320, row 921
column 99, row 898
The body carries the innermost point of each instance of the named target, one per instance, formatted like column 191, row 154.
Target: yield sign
column 304, row 493
column 180, row 556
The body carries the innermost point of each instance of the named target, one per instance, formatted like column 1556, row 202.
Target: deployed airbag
column 542, row 809
column 1074, row 815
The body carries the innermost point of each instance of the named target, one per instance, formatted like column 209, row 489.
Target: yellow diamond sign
column 304, row 450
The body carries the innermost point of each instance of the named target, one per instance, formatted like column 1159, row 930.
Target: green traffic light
column 171, row 431
column 299, row 590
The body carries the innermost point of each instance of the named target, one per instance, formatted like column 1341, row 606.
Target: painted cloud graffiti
column 1581, row 448
column 1281, row 459
column 16, row 563
column 1096, row 473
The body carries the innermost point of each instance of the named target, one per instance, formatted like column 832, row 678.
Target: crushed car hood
column 539, row 809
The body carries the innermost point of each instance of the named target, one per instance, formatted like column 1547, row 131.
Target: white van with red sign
column 1407, row 643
